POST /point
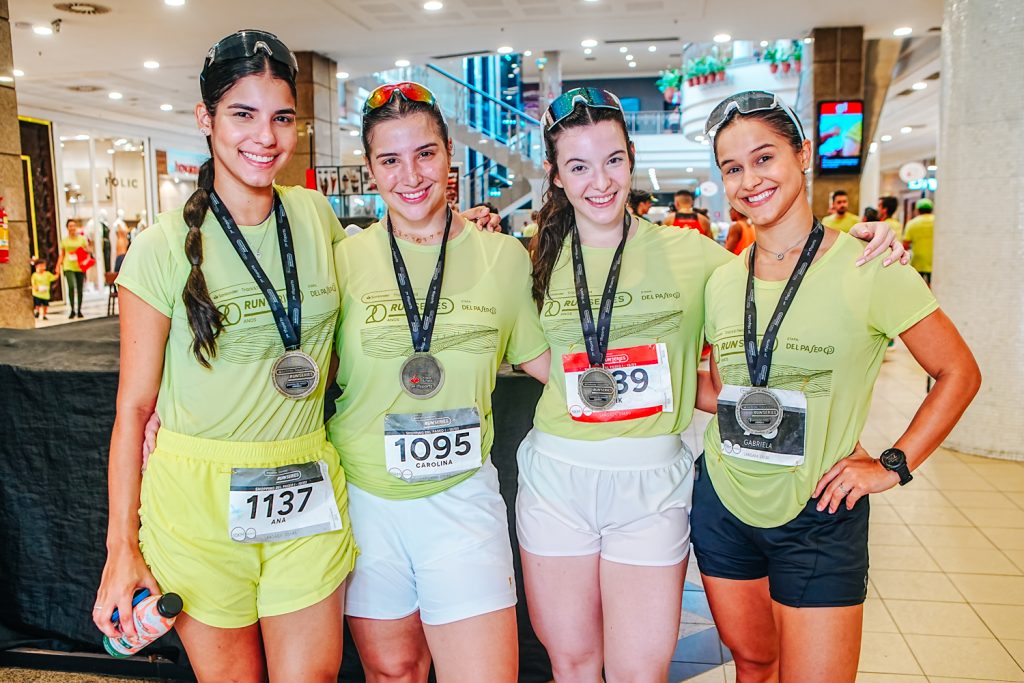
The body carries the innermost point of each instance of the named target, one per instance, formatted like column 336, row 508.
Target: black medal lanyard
column 289, row 324
column 596, row 337
column 759, row 363
column 421, row 327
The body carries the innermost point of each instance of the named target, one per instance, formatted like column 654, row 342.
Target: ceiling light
column 483, row 141
column 174, row 3
column 114, row 95
column 885, row 138
column 698, row 138
column 689, row 169
column 588, row 42
column 528, row 53
column 341, row 75
column 110, row 151
column 652, row 48
column 653, row 175
column 630, row 58
column 18, row 73
column 632, row 65
column 933, row 167
column 353, row 133
column 357, row 152
column 906, row 129
column 6, row 79
column 166, row 107
column 722, row 38
column 588, row 51
column 920, row 85
column 808, row 40
column 42, row 30
column 504, row 50
column 81, row 138
column 764, row 43
column 872, row 148
column 433, row 5
column 151, row 64
column 623, row 49
column 120, row 141
column 402, row 63
column 903, row 31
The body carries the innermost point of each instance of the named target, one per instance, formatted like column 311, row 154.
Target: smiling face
column 594, row 170
column 252, row 133
column 409, row 160
column 762, row 173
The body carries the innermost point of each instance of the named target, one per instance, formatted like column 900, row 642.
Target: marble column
column 317, row 110
column 979, row 209
column 15, row 294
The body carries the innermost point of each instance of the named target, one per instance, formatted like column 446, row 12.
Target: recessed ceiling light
column 920, row 85
column 808, row 40
column 483, row 141
column 6, row 79
column 632, row 65
column 588, row 51
column 18, row 73
column 689, row 169
column 504, row 50
column 886, row 138
column 630, row 58
column 698, row 138
column 722, row 38
column 357, row 152
column 174, row 3
column 903, row 31
column 933, row 167
column 42, row 30
column 906, row 129
column 110, row 151
column 353, row 133
column 114, row 95
column 341, row 75
column 623, row 49
column 652, row 48
column 528, row 53
column 402, row 63
column 151, row 64
column 764, row 43
column 166, row 107
column 433, row 5
column 81, row 138
column 588, row 42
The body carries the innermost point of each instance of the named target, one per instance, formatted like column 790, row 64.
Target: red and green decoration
column 787, row 57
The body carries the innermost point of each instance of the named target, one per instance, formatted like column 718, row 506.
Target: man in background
column 839, row 217
column 640, row 203
column 686, row 217
column 918, row 238
column 887, row 208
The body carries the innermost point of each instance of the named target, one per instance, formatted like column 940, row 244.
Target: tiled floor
column 94, row 305
column 946, row 594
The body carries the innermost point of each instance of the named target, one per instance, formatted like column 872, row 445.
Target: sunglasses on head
column 745, row 103
column 249, row 43
column 414, row 92
column 565, row 104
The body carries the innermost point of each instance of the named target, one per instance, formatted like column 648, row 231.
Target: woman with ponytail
column 228, row 309
column 605, row 482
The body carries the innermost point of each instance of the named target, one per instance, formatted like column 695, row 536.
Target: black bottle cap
column 169, row 605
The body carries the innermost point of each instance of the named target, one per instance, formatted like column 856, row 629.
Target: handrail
column 481, row 93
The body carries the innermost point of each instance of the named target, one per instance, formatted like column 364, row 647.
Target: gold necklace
column 419, row 239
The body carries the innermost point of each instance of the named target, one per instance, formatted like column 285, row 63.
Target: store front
column 177, row 172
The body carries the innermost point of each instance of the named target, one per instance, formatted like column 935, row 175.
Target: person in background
column 530, row 229
column 918, row 238
column 887, row 208
column 67, row 262
column 640, row 203
column 686, row 217
column 870, row 214
column 741, row 232
column 839, row 217
column 41, row 281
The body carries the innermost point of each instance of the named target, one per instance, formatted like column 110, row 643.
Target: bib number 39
column 642, row 382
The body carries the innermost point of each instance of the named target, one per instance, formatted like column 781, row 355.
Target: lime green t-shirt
column 920, row 233
column 896, row 226
column 235, row 400
column 660, row 299
column 830, row 346
column 485, row 314
column 841, row 224
column 41, row 284
column 70, row 245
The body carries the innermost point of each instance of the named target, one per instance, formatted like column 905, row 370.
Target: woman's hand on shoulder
column 124, row 572
column 852, row 478
column 880, row 236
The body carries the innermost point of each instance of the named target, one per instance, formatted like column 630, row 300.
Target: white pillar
column 550, row 79
column 979, row 208
column 870, row 182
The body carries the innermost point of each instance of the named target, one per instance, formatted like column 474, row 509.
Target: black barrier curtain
column 53, row 488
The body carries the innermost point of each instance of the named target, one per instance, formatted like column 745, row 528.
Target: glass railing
column 652, row 122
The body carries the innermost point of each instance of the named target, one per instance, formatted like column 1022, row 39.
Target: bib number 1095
column 440, row 447
column 432, row 446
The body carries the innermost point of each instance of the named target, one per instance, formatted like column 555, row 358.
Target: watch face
column 892, row 458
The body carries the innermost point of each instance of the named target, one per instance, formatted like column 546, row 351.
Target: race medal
column 422, row 375
column 759, row 411
column 295, row 375
column 642, row 384
column 597, row 389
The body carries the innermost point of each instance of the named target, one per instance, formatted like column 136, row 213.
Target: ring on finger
column 97, row 608
column 843, row 488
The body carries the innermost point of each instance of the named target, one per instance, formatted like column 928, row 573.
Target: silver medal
column 295, row 375
column 422, row 375
column 597, row 389
column 759, row 411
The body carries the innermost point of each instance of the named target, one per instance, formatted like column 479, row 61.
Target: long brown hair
column 557, row 214
column 204, row 317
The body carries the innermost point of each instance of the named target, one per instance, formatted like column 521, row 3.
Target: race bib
column 71, row 257
column 762, row 424
column 432, row 446
column 281, row 503
column 42, row 289
column 642, row 382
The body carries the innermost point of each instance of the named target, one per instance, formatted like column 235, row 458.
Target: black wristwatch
column 895, row 460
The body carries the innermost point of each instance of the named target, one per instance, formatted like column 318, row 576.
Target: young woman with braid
column 605, row 482
column 227, row 315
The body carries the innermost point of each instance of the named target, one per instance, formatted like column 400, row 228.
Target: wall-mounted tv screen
column 840, row 136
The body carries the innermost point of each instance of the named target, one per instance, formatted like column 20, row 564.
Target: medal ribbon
column 289, row 324
column 759, row 363
column 420, row 327
column 596, row 337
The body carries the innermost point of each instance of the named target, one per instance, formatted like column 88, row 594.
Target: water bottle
column 153, row 616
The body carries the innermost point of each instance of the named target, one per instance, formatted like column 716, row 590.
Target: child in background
column 41, row 280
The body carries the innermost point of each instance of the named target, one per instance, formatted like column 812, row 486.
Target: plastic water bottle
column 153, row 617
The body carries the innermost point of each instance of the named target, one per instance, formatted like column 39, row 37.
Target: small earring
column 206, row 132
column 807, row 171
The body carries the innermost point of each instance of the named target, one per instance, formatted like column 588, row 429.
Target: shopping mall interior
column 903, row 101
